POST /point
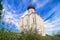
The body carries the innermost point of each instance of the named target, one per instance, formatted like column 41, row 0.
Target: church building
column 32, row 22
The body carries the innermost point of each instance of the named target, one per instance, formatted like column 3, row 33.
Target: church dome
column 31, row 7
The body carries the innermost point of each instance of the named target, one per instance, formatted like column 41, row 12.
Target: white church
column 32, row 22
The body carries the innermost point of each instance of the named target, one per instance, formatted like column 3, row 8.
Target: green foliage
column 1, row 7
column 0, row 0
column 7, row 35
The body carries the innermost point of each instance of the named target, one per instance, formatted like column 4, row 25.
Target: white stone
column 32, row 21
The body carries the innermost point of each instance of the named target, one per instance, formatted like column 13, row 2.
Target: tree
column 1, row 7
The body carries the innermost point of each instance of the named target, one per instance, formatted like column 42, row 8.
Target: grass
column 7, row 35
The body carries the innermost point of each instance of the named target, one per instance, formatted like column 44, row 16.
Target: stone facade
column 32, row 23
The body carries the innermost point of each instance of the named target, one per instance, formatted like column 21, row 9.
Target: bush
column 7, row 35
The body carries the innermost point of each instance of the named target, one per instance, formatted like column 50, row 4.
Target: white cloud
column 50, row 12
column 10, row 18
column 49, row 26
column 52, row 26
column 24, row 13
column 34, row 1
column 41, row 4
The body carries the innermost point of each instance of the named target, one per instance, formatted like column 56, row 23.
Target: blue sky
column 47, row 9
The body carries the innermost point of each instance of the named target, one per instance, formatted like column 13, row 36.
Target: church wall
column 40, row 25
column 31, row 20
column 32, row 23
column 27, row 23
column 21, row 24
